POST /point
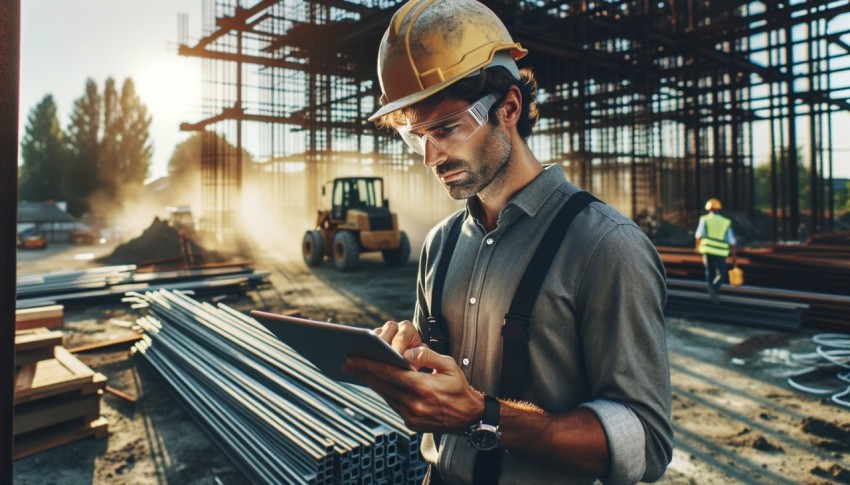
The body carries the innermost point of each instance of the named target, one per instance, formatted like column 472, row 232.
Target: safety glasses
column 449, row 131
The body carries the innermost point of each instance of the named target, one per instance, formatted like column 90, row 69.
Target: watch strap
column 491, row 411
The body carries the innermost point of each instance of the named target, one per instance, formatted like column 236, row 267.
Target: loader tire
column 399, row 255
column 345, row 250
column 313, row 248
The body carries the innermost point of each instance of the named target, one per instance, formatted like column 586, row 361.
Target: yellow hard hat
column 713, row 204
column 431, row 44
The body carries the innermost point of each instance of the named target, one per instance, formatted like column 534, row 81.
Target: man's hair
column 495, row 80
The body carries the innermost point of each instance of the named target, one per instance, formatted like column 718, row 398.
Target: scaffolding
column 654, row 106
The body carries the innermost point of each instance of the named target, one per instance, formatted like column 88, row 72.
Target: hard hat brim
column 505, row 58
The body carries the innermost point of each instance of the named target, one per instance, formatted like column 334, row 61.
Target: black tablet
column 327, row 345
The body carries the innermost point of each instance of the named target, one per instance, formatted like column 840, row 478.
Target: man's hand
column 400, row 335
column 440, row 401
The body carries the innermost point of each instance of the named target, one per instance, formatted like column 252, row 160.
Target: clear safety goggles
column 450, row 130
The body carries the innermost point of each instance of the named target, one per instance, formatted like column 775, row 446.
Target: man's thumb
column 421, row 357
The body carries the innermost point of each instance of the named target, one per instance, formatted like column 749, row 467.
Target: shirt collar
column 531, row 197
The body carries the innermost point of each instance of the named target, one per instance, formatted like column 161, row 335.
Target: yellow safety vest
column 713, row 242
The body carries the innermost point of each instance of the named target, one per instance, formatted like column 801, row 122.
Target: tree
column 84, row 147
column 136, row 147
column 110, row 145
column 126, row 147
column 763, row 185
column 43, row 153
column 184, row 166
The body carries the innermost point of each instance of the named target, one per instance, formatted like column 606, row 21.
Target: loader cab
column 366, row 193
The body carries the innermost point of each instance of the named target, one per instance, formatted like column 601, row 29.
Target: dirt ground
column 735, row 417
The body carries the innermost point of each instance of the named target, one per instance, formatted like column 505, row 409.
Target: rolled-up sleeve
column 622, row 297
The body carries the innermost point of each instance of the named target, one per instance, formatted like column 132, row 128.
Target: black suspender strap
column 515, row 330
column 438, row 335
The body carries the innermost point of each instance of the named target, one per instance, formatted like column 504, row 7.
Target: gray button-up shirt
column 597, row 328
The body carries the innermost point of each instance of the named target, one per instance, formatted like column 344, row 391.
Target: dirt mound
column 158, row 243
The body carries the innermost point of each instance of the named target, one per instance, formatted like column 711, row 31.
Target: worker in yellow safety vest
column 715, row 240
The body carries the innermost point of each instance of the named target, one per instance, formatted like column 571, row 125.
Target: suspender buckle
column 515, row 327
column 437, row 338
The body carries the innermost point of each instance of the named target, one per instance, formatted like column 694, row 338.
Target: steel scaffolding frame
column 652, row 105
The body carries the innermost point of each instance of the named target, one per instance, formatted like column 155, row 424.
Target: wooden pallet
column 33, row 345
column 44, row 413
column 47, row 438
column 63, row 373
column 57, row 400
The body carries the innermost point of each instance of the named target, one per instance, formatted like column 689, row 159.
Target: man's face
column 478, row 165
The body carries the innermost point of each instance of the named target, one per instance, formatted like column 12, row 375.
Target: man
column 592, row 399
column 714, row 239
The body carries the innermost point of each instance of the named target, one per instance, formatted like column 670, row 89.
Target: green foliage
column 185, row 162
column 842, row 199
column 110, row 145
column 761, row 176
column 126, row 147
column 84, row 146
column 43, row 153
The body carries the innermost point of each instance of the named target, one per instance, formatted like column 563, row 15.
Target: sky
column 64, row 42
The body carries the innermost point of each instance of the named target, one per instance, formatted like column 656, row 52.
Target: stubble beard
column 488, row 177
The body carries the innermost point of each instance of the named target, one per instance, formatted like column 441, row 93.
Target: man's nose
column 434, row 154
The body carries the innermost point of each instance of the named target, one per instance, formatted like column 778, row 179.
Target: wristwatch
column 485, row 434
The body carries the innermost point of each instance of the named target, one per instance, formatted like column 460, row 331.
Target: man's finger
column 406, row 337
column 388, row 331
column 424, row 357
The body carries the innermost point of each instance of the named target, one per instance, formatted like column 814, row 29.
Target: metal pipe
column 240, row 372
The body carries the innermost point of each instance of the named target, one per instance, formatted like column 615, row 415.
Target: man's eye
column 446, row 130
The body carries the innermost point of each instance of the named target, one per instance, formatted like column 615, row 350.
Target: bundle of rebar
column 110, row 283
column 272, row 412
column 821, row 265
column 815, row 275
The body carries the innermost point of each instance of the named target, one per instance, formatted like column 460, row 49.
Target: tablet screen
column 327, row 345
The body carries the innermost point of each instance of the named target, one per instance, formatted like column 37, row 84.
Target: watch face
column 484, row 438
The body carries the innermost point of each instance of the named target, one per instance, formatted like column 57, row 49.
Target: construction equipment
column 355, row 220
column 181, row 218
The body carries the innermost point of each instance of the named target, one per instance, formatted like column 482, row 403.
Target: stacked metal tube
column 110, row 283
column 272, row 412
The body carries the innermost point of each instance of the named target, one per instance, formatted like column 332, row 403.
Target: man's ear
column 511, row 108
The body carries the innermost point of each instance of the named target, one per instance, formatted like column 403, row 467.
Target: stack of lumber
column 57, row 397
column 47, row 316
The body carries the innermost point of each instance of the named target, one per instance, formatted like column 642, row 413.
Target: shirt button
column 472, row 300
column 465, row 361
column 489, row 241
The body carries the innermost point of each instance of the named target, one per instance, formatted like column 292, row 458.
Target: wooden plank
column 48, row 438
column 44, row 316
column 41, row 322
column 48, row 311
column 37, row 338
column 123, row 395
column 51, row 411
column 22, row 358
column 106, row 344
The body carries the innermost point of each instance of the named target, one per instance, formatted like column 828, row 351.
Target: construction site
column 135, row 359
